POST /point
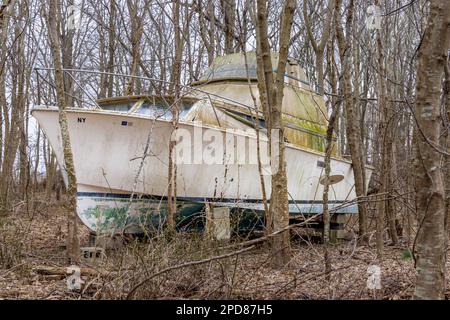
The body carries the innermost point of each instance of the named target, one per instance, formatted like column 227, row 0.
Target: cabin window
column 162, row 110
column 185, row 107
column 121, row 107
column 157, row 109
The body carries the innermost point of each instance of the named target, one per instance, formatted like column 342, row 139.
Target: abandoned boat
column 121, row 150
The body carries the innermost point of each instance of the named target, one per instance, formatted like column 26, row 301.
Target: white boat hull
column 108, row 150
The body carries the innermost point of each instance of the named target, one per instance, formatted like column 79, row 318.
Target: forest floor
column 38, row 239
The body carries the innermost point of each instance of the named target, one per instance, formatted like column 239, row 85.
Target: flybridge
column 243, row 66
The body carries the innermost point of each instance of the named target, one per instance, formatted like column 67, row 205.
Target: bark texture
column 73, row 247
column 429, row 184
column 274, row 86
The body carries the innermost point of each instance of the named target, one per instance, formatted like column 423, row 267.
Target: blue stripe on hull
column 195, row 199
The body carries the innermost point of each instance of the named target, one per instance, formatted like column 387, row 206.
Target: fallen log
column 64, row 271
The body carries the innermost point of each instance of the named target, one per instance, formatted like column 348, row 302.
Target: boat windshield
column 121, row 107
column 162, row 109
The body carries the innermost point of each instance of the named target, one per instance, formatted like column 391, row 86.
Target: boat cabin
column 226, row 94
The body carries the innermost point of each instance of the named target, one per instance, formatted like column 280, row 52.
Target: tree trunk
column 111, row 41
column 175, row 91
column 382, row 137
column 319, row 47
column 352, row 122
column 12, row 117
column 430, row 197
column 229, row 13
column 447, row 141
column 279, row 204
column 137, row 29
column 335, row 106
column 73, row 249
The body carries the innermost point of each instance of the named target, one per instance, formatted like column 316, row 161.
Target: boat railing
column 87, row 90
column 86, row 93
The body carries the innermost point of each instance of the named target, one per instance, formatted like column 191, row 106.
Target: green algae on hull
column 108, row 214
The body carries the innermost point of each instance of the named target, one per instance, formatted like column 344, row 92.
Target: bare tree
column 3, row 8
column 272, row 103
column 137, row 28
column 175, row 91
column 384, row 161
column 430, row 195
column 319, row 48
column 73, row 249
column 229, row 13
column 352, row 122
column 446, row 99
column 13, row 118
column 330, row 145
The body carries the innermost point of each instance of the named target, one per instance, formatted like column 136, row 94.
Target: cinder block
column 221, row 223
column 92, row 254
